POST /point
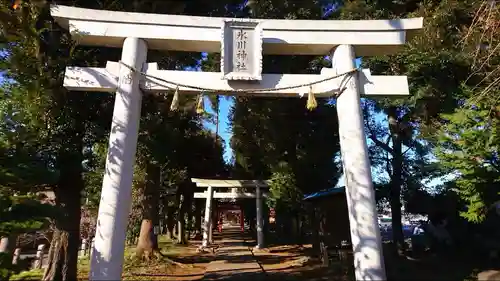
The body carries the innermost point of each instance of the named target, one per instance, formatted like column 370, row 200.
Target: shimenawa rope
column 311, row 101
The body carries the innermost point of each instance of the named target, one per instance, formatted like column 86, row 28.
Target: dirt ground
column 293, row 262
column 161, row 269
column 289, row 262
column 166, row 271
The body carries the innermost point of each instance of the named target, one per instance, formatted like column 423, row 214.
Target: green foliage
column 468, row 147
column 34, row 274
column 285, row 197
column 23, row 214
column 6, row 267
column 20, row 214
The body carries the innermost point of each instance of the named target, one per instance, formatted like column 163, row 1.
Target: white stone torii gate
column 136, row 32
column 210, row 194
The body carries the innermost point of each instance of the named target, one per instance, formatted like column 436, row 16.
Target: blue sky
column 224, row 128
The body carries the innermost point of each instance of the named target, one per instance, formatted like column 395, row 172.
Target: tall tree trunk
column 217, row 99
column 181, row 227
column 189, row 212
column 197, row 218
column 323, row 239
column 181, row 223
column 294, row 228
column 147, row 244
column 170, row 222
column 63, row 252
column 315, row 224
column 396, row 180
column 162, row 216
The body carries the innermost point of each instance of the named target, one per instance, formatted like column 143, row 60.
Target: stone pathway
column 234, row 259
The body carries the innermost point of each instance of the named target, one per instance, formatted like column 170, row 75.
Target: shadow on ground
column 455, row 266
column 312, row 274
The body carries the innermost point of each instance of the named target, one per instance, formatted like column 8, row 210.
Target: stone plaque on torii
column 136, row 32
column 241, row 50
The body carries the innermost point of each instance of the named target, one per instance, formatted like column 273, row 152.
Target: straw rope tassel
column 311, row 100
column 175, row 101
column 199, row 105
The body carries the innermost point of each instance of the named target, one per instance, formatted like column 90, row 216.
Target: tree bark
column 147, row 243
column 197, row 219
column 323, row 241
column 170, row 222
column 162, row 219
column 63, row 252
column 189, row 211
column 315, row 229
column 181, row 237
column 294, row 227
column 396, row 180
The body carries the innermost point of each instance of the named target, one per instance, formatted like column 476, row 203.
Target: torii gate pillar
column 365, row 233
column 207, row 224
column 107, row 254
column 260, row 221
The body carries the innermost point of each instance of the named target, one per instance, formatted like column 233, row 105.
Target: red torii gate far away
column 233, row 207
column 236, row 192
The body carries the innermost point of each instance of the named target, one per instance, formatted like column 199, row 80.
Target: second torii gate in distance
column 236, row 193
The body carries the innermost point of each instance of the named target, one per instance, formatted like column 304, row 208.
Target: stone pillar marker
column 17, row 254
column 107, row 253
column 39, row 256
column 92, row 243
column 207, row 230
column 365, row 232
column 4, row 244
column 260, row 229
column 83, row 249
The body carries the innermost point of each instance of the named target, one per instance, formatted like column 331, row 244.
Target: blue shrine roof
column 325, row 192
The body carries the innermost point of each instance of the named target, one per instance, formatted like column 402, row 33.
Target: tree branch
column 379, row 143
column 388, row 165
column 408, row 149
